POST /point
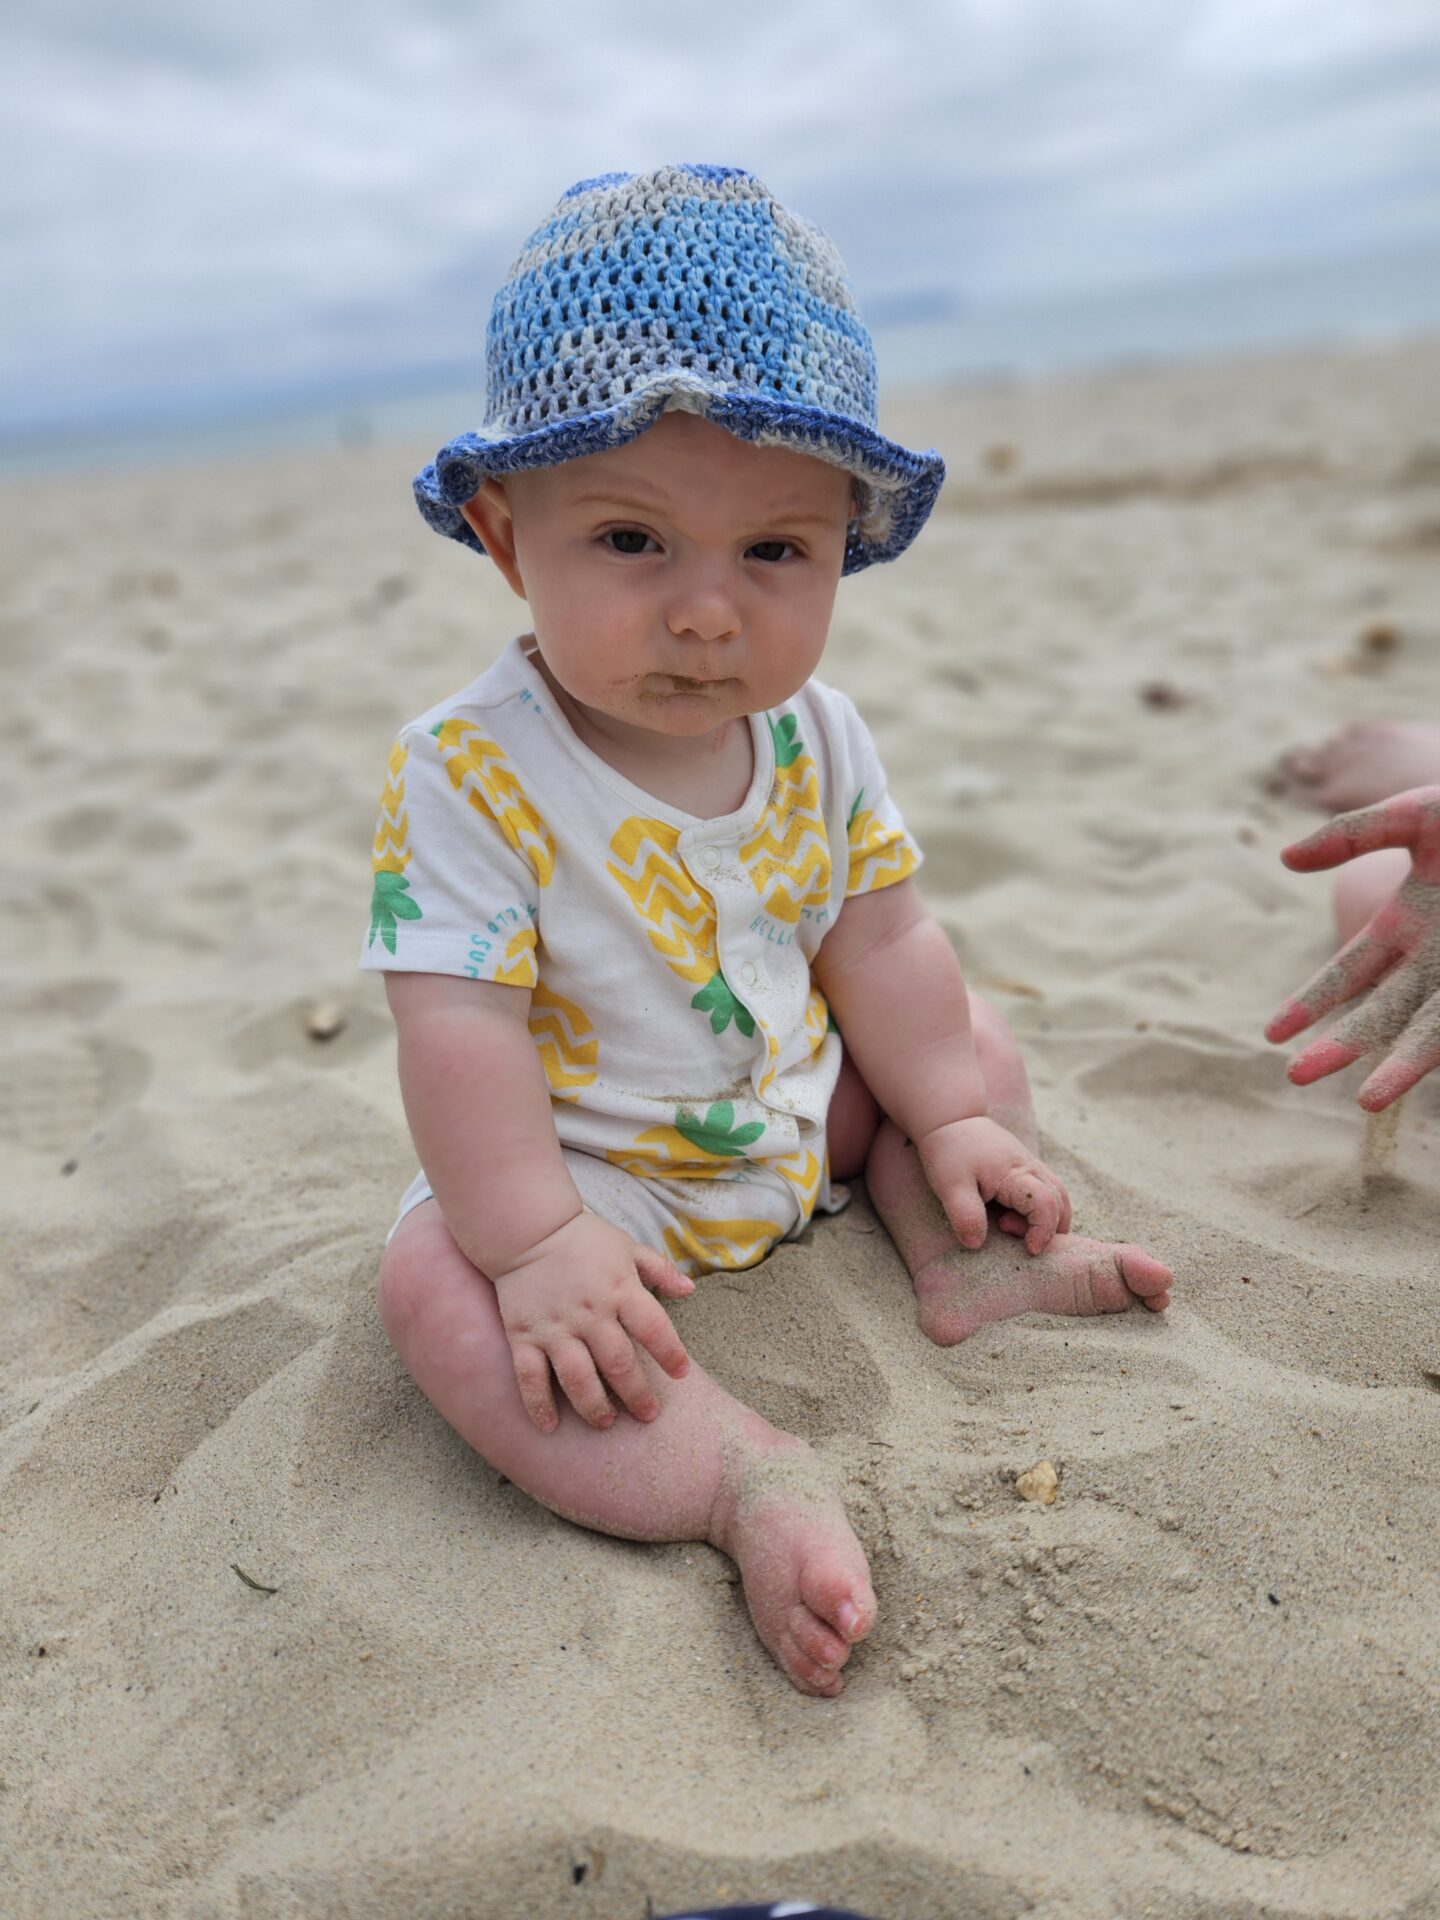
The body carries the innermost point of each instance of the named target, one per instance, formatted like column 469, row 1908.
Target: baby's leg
column 1363, row 886
column 1365, row 762
column 958, row 1289
column 706, row 1468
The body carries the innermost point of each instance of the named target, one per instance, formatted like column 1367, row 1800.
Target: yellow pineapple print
column 803, row 1170
column 879, row 854
column 788, row 855
column 568, row 1049
column 478, row 769
column 391, row 900
column 698, row 1245
column 680, row 918
column 696, row 1147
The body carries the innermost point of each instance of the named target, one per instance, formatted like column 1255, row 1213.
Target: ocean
column 1357, row 302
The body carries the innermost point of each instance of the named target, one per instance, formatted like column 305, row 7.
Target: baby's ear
column 489, row 517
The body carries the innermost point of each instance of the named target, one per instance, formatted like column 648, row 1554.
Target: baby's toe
column 1147, row 1278
column 829, row 1588
column 809, row 1675
column 815, row 1640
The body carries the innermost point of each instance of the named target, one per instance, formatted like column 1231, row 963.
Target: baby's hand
column 577, row 1302
column 968, row 1162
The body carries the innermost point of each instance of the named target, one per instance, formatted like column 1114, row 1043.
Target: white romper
column 690, row 1056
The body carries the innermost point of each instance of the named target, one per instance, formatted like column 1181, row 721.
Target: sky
column 207, row 206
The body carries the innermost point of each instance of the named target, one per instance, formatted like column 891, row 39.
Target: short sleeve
column 460, row 861
column 881, row 849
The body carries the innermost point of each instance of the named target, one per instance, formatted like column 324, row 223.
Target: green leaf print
column 717, row 1132
column 788, row 747
column 855, row 809
column 716, row 999
column 389, row 903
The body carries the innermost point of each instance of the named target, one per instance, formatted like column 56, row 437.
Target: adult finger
column 614, row 1354
column 1416, row 1053
column 661, row 1274
column 1359, row 964
column 1404, row 820
column 646, row 1320
column 575, row 1370
column 1385, row 1012
column 532, row 1376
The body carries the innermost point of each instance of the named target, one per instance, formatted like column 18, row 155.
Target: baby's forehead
column 682, row 454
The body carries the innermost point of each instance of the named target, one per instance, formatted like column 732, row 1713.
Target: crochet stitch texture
column 689, row 287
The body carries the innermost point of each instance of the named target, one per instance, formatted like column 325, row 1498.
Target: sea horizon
column 922, row 340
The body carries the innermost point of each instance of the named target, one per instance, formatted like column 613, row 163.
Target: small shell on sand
column 325, row 1021
column 1039, row 1483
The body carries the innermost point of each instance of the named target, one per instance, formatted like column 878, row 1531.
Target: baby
column 659, row 968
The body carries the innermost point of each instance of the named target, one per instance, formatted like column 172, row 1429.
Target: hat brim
column 900, row 486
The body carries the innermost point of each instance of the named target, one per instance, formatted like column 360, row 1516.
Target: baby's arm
column 571, row 1287
column 895, row 988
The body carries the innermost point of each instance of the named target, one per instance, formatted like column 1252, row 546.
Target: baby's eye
column 626, row 534
column 767, row 549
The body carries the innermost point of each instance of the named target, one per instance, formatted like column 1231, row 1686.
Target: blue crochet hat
column 688, row 287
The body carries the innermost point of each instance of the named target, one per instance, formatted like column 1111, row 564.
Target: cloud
column 212, row 201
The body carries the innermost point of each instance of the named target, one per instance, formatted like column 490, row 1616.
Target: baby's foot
column 806, row 1582
column 1366, row 762
column 963, row 1290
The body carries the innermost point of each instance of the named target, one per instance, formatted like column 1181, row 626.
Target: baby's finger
column 1039, row 1201
column 614, row 1354
column 1064, row 1226
column 965, row 1210
column 575, row 1371
column 661, row 1274
column 1357, row 966
column 1009, row 1221
column 646, row 1320
column 532, row 1376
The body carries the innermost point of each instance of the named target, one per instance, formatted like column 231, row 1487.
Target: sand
column 276, row 1643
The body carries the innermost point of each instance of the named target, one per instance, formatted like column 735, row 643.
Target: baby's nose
column 704, row 607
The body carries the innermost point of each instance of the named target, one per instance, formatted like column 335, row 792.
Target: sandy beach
column 276, row 1643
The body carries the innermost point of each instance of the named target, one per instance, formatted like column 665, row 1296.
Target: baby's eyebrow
column 790, row 517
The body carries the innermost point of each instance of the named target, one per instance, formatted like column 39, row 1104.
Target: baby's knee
column 993, row 1039
column 399, row 1289
column 1366, row 885
column 427, row 1291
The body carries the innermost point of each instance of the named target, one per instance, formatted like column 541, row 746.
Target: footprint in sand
column 64, row 1084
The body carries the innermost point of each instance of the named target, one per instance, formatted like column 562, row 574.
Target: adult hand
column 1391, row 969
column 578, row 1303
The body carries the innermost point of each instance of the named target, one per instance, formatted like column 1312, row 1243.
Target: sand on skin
column 1205, row 1680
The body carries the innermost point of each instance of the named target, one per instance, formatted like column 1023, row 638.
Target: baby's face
column 676, row 582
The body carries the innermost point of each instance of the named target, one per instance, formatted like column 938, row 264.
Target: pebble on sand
column 1038, row 1483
